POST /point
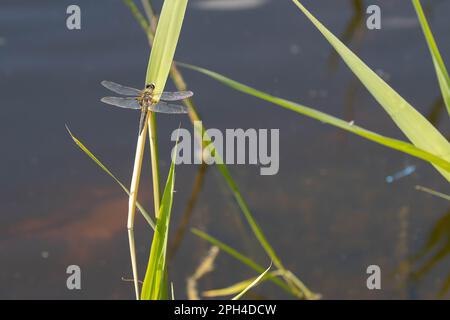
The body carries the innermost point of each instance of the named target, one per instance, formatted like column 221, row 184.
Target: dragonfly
column 145, row 100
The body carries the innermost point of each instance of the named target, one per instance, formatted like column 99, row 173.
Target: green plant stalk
column 151, row 17
column 134, row 188
column 438, row 62
column 155, row 283
column 194, row 117
column 139, row 17
column 326, row 118
column 154, row 154
column 165, row 42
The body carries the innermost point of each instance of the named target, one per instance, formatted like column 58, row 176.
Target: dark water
column 329, row 212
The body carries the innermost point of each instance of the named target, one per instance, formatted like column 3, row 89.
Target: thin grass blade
column 434, row 192
column 329, row 119
column 439, row 66
column 155, row 281
column 144, row 213
column 165, row 42
column 253, row 284
column 235, row 288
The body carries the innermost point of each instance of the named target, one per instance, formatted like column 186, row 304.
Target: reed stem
column 134, row 188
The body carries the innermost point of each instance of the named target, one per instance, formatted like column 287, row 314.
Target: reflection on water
column 226, row 5
column 436, row 111
column 435, row 251
column 355, row 28
column 393, row 23
column 187, row 213
column 84, row 232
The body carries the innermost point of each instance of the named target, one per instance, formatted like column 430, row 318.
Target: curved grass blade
column 105, row 169
column 228, row 291
column 329, row 119
column 439, row 66
column 243, row 259
column 414, row 125
column 253, row 284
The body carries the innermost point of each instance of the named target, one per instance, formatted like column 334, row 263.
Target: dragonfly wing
column 175, row 96
column 164, row 107
column 128, row 103
column 120, row 89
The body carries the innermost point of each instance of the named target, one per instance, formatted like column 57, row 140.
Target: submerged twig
column 433, row 192
column 206, row 266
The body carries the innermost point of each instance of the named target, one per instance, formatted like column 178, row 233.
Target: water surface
column 328, row 213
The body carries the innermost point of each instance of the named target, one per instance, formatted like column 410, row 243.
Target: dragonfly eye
column 150, row 86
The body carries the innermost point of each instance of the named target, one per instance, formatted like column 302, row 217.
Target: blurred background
column 329, row 212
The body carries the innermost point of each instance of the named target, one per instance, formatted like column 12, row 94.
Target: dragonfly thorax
column 146, row 99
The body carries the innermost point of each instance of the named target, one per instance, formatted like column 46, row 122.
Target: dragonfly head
column 150, row 86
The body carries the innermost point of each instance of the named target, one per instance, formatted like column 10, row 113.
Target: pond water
column 329, row 212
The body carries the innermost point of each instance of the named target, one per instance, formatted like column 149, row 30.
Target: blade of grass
column 415, row 126
column 161, row 56
column 434, row 192
column 439, row 66
column 165, row 42
column 326, row 118
column 253, row 284
column 105, row 169
column 155, row 282
column 243, row 259
column 228, row 291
